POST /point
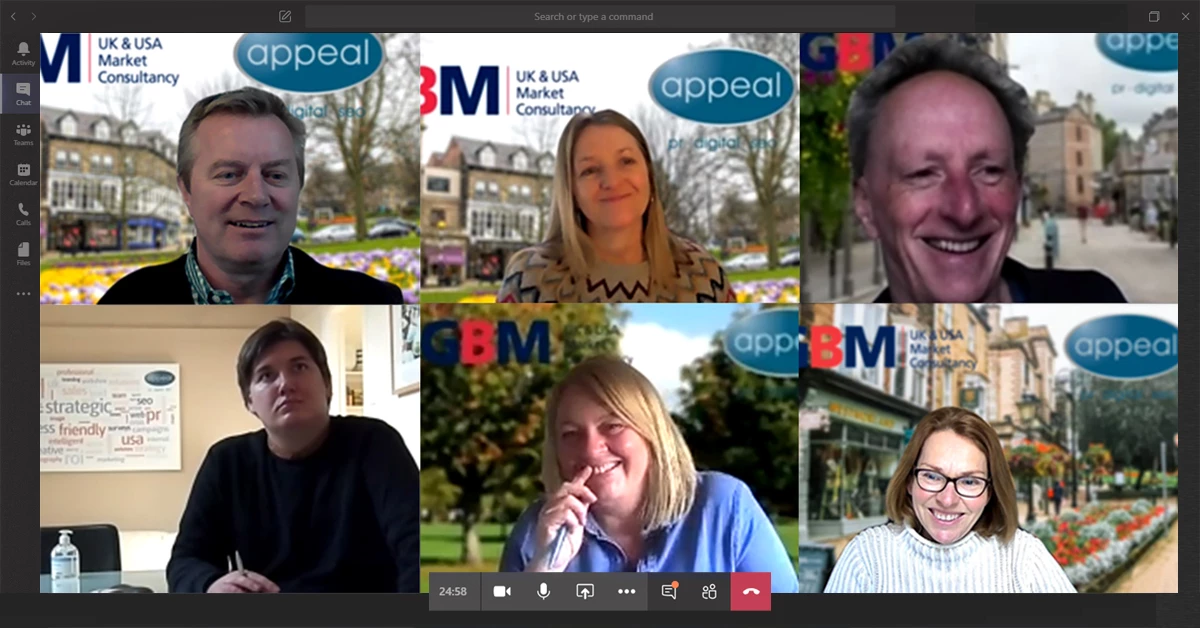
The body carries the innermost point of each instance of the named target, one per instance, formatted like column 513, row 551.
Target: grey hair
column 931, row 54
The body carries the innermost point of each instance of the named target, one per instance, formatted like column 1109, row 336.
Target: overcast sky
column 1064, row 63
column 614, row 73
column 1061, row 319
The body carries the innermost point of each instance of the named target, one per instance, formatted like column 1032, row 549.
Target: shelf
column 358, row 373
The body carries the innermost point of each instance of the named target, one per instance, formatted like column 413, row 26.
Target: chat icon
column 23, row 88
column 668, row 590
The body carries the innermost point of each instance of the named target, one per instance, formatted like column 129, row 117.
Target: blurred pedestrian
column 1083, row 219
column 1049, row 237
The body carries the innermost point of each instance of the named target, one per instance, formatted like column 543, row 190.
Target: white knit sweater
column 892, row 558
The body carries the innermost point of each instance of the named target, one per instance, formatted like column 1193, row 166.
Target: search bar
column 726, row 17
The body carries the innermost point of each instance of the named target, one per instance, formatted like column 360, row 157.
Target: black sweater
column 316, row 284
column 1037, row 285
column 344, row 519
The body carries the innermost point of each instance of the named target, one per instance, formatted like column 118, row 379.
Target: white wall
column 402, row 413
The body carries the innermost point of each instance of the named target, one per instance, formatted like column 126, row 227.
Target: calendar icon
column 22, row 170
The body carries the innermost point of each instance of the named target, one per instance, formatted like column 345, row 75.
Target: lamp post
column 1027, row 408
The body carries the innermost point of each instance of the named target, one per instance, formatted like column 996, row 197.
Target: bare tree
column 362, row 122
column 226, row 82
column 145, row 177
column 768, row 151
column 540, row 134
column 685, row 172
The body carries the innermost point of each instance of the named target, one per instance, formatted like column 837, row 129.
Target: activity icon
column 23, row 48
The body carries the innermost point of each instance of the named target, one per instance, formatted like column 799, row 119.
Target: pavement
column 1146, row 270
column 1157, row 571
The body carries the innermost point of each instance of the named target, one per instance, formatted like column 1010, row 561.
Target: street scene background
column 110, row 204
column 482, row 426
column 486, row 178
column 1107, row 141
column 1100, row 443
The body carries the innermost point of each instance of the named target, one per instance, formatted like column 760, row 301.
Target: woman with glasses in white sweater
column 954, row 522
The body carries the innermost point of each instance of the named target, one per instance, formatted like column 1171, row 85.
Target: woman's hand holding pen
column 567, row 507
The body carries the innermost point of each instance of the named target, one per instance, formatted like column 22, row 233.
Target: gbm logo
column 309, row 63
column 476, row 341
column 68, row 51
column 766, row 343
column 1150, row 52
column 1125, row 346
column 722, row 87
column 160, row 378
column 453, row 86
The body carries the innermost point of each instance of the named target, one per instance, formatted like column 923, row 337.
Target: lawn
column 441, row 547
column 134, row 257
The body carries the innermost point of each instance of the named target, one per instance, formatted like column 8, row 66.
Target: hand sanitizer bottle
column 64, row 563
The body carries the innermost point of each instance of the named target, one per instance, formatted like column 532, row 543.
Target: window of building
column 526, row 193
column 75, row 159
column 69, row 126
column 547, row 165
column 437, row 184
column 948, row 388
column 1079, row 184
column 971, row 336
column 102, row 131
column 1078, row 158
column 520, row 161
column 493, row 189
column 487, row 157
column 56, row 194
column 128, row 135
column 514, row 193
column 129, row 164
column 60, row 158
column 437, row 217
column 108, row 162
column 849, row 471
column 95, row 162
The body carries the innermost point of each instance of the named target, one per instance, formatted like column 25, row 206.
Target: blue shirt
column 725, row 531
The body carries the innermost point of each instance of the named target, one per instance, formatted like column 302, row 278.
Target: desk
column 93, row 581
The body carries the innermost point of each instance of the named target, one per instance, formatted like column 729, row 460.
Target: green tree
column 483, row 424
column 824, row 152
column 1131, row 418
column 743, row 424
column 1111, row 136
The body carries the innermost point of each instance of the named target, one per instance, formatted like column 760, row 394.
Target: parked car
column 298, row 235
column 790, row 258
column 389, row 228
column 746, row 261
column 334, row 233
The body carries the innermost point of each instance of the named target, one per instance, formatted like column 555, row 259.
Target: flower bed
column 1096, row 542
column 85, row 284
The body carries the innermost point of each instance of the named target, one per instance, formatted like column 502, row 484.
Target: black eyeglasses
column 967, row 486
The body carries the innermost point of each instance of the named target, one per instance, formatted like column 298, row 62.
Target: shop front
column 851, row 458
column 444, row 261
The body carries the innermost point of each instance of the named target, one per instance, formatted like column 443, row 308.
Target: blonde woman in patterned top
column 608, row 240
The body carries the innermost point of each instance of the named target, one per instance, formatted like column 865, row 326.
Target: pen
column 556, row 545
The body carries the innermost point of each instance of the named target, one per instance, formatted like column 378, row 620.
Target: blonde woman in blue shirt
column 619, row 476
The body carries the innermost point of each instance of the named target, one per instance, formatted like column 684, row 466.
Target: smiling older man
column 938, row 138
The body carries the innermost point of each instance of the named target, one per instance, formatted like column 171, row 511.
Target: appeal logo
column 766, row 342
column 1150, row 52
column 722, row 87
column 309, row 63
column 1126, row 346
